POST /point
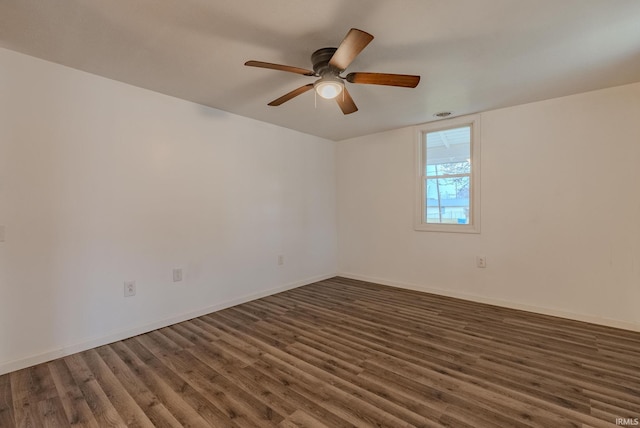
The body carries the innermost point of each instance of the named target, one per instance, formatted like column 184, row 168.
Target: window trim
column 419, row 223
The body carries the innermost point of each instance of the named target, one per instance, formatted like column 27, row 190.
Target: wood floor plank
column 233, row 403
column 356, row 329
column 199, row 402
column 183, row 412
column 281, row 396
column 439, row 389
column 29, row 387
column 327, row 383
column 6, row 402
column 103, row 411
column 195, row 335
column 119, row 397
column 73, row 401
column 342, row 353
column 324, row 391
column 331, row 398
column 301, row 419
column 52, row 414
column 146, row 400
column 276, row 386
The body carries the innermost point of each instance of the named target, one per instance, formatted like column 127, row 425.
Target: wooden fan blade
column 346, row 103
column 280, row 67
column 403, row 80
column 292, row 94
column 351, row 46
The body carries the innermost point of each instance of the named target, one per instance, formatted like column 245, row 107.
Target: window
column 448, row 178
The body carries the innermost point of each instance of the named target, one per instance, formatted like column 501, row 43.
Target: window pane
column 448, row 151
column 447, row 200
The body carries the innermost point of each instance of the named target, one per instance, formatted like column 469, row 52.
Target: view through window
column 448, row 176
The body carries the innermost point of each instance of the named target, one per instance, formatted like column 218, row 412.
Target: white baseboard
column 32, row 360
column 498, row 302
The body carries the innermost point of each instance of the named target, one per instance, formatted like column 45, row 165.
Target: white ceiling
column 473, row 55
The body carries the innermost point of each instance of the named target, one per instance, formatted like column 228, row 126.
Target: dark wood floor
column 342, row 353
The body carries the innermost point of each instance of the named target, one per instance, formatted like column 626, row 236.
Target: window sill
column 446, row 228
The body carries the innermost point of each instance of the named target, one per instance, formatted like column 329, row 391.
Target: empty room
column 294, row 213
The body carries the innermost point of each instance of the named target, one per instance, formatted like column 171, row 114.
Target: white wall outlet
column 177, row 275
column 280, row 260
column 481, row 261
column 129, row 288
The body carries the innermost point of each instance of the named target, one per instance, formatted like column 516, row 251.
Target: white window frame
column 474, row 195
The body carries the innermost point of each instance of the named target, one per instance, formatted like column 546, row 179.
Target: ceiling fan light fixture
column 328, row 88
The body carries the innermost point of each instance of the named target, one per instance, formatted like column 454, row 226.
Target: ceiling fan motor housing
column 320, row 60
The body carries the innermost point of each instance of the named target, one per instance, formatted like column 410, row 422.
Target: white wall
column 560, row 211
column 102, row 182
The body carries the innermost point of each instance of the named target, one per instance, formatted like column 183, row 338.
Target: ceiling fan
column 328, row 63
